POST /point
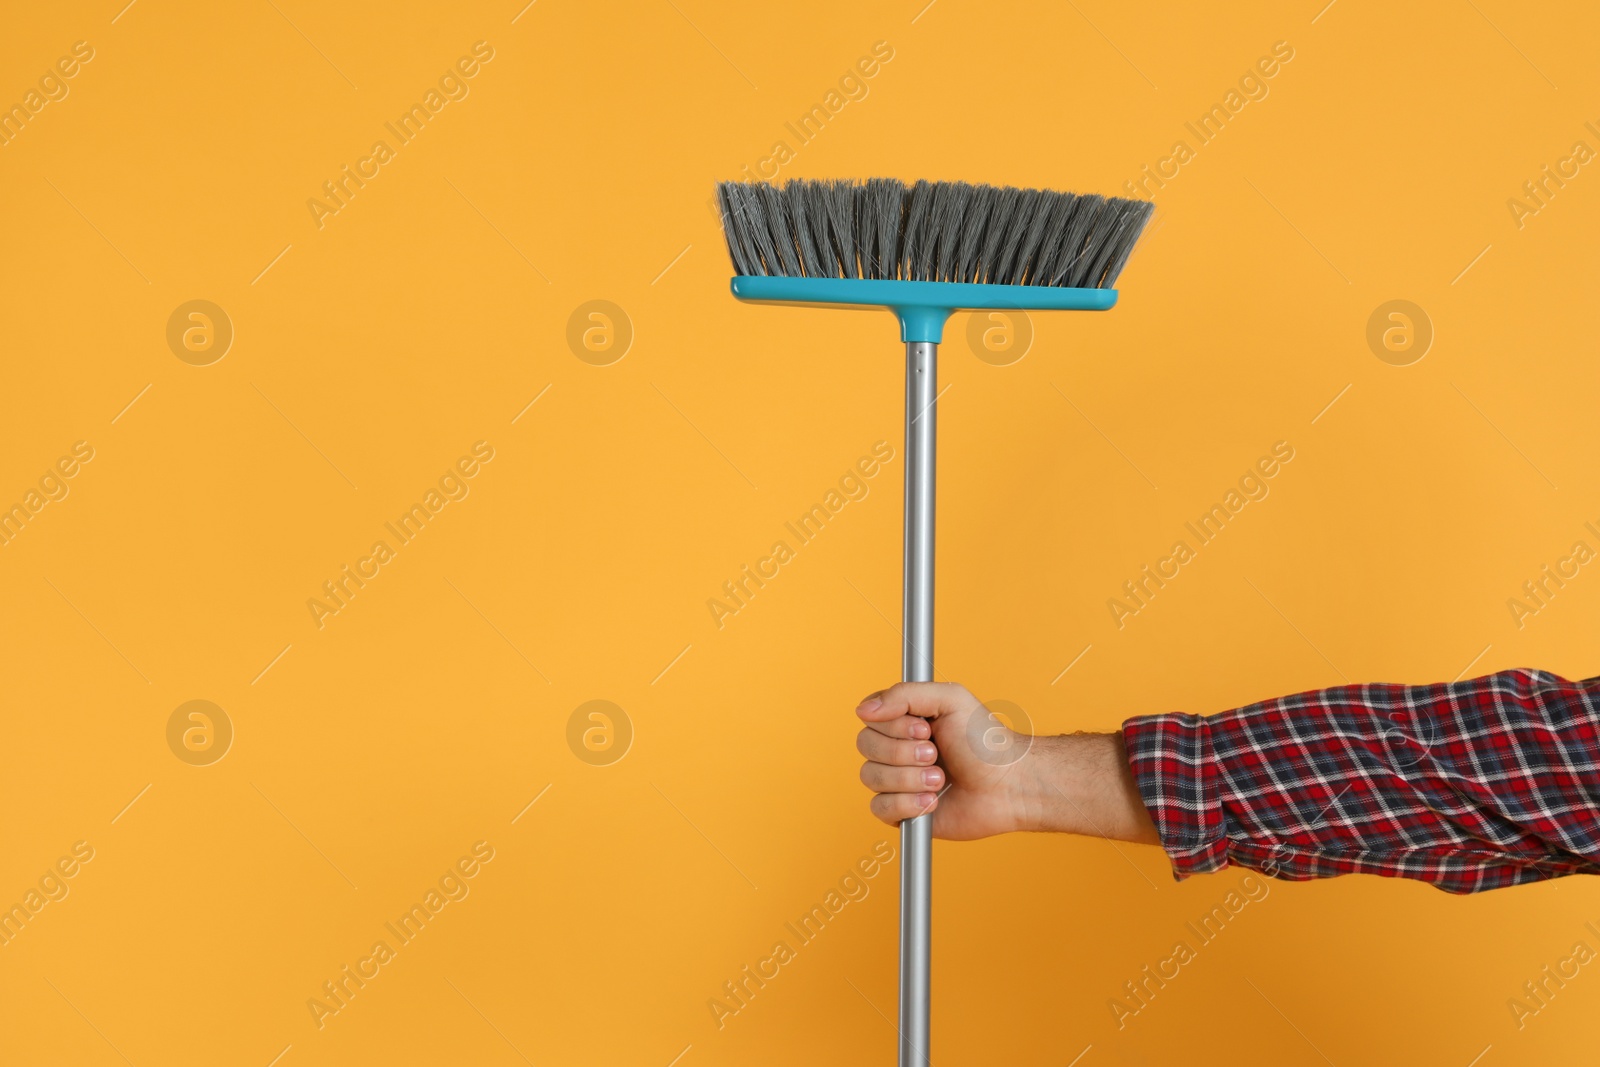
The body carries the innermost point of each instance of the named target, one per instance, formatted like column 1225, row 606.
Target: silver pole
column 916, row 835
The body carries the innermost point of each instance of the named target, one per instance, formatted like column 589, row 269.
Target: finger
column 880, row 749
column 895, row 808
column 882, row 778
column 906, row 727
column 926, row 700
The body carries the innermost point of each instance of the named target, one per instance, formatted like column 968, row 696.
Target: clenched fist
column 933, row 747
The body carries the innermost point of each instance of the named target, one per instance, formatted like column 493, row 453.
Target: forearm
column 1080, row 784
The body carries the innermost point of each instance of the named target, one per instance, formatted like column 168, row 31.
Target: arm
column 1468, row 786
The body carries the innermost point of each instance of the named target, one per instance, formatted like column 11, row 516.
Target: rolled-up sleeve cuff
column 1172, row 762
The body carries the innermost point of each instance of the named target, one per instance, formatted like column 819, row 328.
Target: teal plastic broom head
column 929, row 250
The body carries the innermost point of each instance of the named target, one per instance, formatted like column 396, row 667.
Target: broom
column 924, row 253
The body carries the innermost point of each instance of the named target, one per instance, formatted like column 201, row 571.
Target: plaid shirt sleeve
column 1469, row 786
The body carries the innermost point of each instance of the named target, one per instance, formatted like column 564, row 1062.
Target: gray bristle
column 841, row 201
column 1049, row 251
column 886, row 214
column 729, row 201
column 972, row 229
column 994, row 234
column 817, row 218
column 918, row 241
column 930, row 231
column 1080, row 232
column 810, row 261
column 950, row 200
column 1029, row 202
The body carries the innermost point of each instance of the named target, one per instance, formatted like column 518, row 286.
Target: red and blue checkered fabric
column 1469, row 786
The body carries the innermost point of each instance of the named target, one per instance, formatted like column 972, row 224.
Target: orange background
column 370, row 754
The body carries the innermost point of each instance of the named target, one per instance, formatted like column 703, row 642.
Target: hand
column 934, row 748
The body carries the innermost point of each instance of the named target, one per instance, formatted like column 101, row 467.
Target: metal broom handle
column 916, row 835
